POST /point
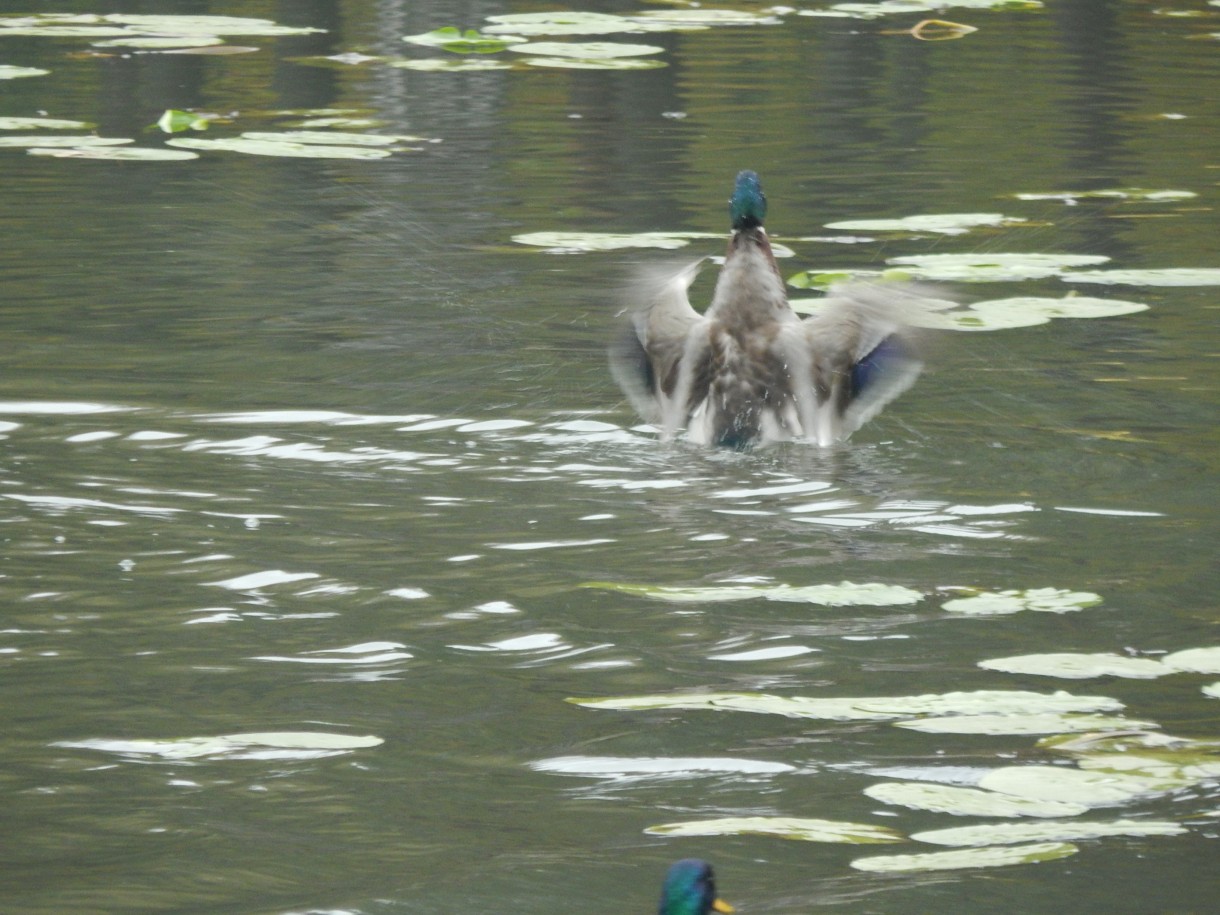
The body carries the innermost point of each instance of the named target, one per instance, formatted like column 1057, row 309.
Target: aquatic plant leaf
column 570, row 22
column 962, row 858
column 281, row 148
column 1041, row 600
column 1181, row 766
column 157, row 42
column 1185, row 276
column 688, row 16
column 1036, row 723
column 1212, row 690
column 608, row 241
column 49, row 140
column 587, row 50
column 331, row 138
column 1126, row 742
column 116, row 153
column 1195, row 660
column 1024, row 311
column 943, row 223
column 987, row 267
column 592, row 63
column 12, row 71
column 823, row 279
column 940, row 30
column 958, row 801
column 843, row 594
column 88, row 25
column 882, row 8
column 440, row 64
column 1130, row 193
column 43, row 124
column 797, row 828
column 1074, row 666
column 1061, row 784
column 1071, row 831
column 268, row 745
column 789, row 706
column 621, row 767
column 175, row 121
column 996, row 702
column 470, row 41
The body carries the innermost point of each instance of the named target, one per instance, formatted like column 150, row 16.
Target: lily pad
column 1041, row 600
column 942, row 224
column 469, row 41
column 1025, row 311
column 174, row 121
column 12, row 71
column 331, row 138
column 1073, row 666
column 986, row 267
column 43, row 124
column 49, row 140
column 844, row 594
column 969, row 801
column 90, row 25
column 1184, row 767
column 571, row 23
column 1072, row 831
column 1040, row 723
column 620, row 767
column 824, row 279
column 992, row 856
column 280, row 148
column 447, row 65
column 1130, row 193
column 116, row 153
column 1186, row 276
column 1194, row 660
column 268, row 745
column 1061, row 784
column 1212, row 690
column 607, row 241
column 594, row 63
column 798, row 828
column 587, row 50
column 702, row 17
column 154, row 42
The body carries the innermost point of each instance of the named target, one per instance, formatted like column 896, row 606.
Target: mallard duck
column 690, row 889
column 750, row 370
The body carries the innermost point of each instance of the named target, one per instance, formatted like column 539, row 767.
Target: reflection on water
column 317, row 499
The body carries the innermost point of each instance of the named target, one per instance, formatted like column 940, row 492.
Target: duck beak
column 721, row 906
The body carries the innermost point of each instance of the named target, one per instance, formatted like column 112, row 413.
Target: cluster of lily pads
column 1116, row 760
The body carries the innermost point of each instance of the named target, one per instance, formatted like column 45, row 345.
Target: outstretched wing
column 656, row 357
column 863, row 354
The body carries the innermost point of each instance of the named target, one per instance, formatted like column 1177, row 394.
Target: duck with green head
column 750, row 370
column 690, row 889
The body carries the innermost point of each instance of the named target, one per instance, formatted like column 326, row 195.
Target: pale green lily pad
column 701, row 17
column 331, row 138
column 985, row 267
column 1041, row 600
column 87, row 25
column 151, row 42
column 1129, row 193
column 470, row 41
column 883, row 8
column 53, row 30
column 1194, row 660
column 268, row 745
column 174, row 121
column 1072, row 831
column 823, row 279
column 943, row 224
column 1037, row 723
column 50, row 140
column 571, row 23
column 1212, row 690
column 586, row 50
column 1141, row 741
column 862, row 708
column 281, row 148
column 43, row 124
column 12, row 71
column 1186, row 276
column 1024, row 311
column 1184, row 767
column 963, row 858
column 1074, row 666
column 797, row 828
column 443, row 65
column 1061, row 784
column 592, row 63
column 844, row 594
column 117, row 153
column 608, row 241
column 969, row 801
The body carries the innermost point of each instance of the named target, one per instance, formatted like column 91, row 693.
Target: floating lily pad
column 49, row 140
column 942, row 224
column 823, row 279
column 440, row 64
column 470, row 41
column 1073, row 666
column 798, row 828
column 1192, row 276
column 587, row 50
column 1130, row 193
column 1041, row 600
column 608, row 241
column 844, row 594
column 1040, row 723
column 969, row 801
column 151, row 42
column 90, row 25
column 992, row 856
column 1024, row 311
column 117, row 153
column 594, row 63
column 1194, row 660
column 1183, row 767
column 43, row 124
column 570, row 23
column 331, row 138
column 280, row 148
column 656, row 766
column 1126, row 742
column 883, row 8
column 1061, row 784
column 985, row 267
column 12, row 71
column 270, row 745
column 174, row 121
column 689, row 16
column 1072, row 831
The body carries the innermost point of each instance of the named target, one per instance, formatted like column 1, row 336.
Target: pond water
column 312, row 450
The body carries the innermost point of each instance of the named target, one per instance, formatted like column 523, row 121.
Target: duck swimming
column 690, row 889
column 750, row 370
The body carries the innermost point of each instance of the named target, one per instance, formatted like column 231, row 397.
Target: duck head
column 690, row 889
column 748, row 205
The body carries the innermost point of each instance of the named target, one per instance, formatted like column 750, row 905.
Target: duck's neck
column 750, row 290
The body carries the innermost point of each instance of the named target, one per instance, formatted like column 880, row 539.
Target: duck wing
column 660, row 352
